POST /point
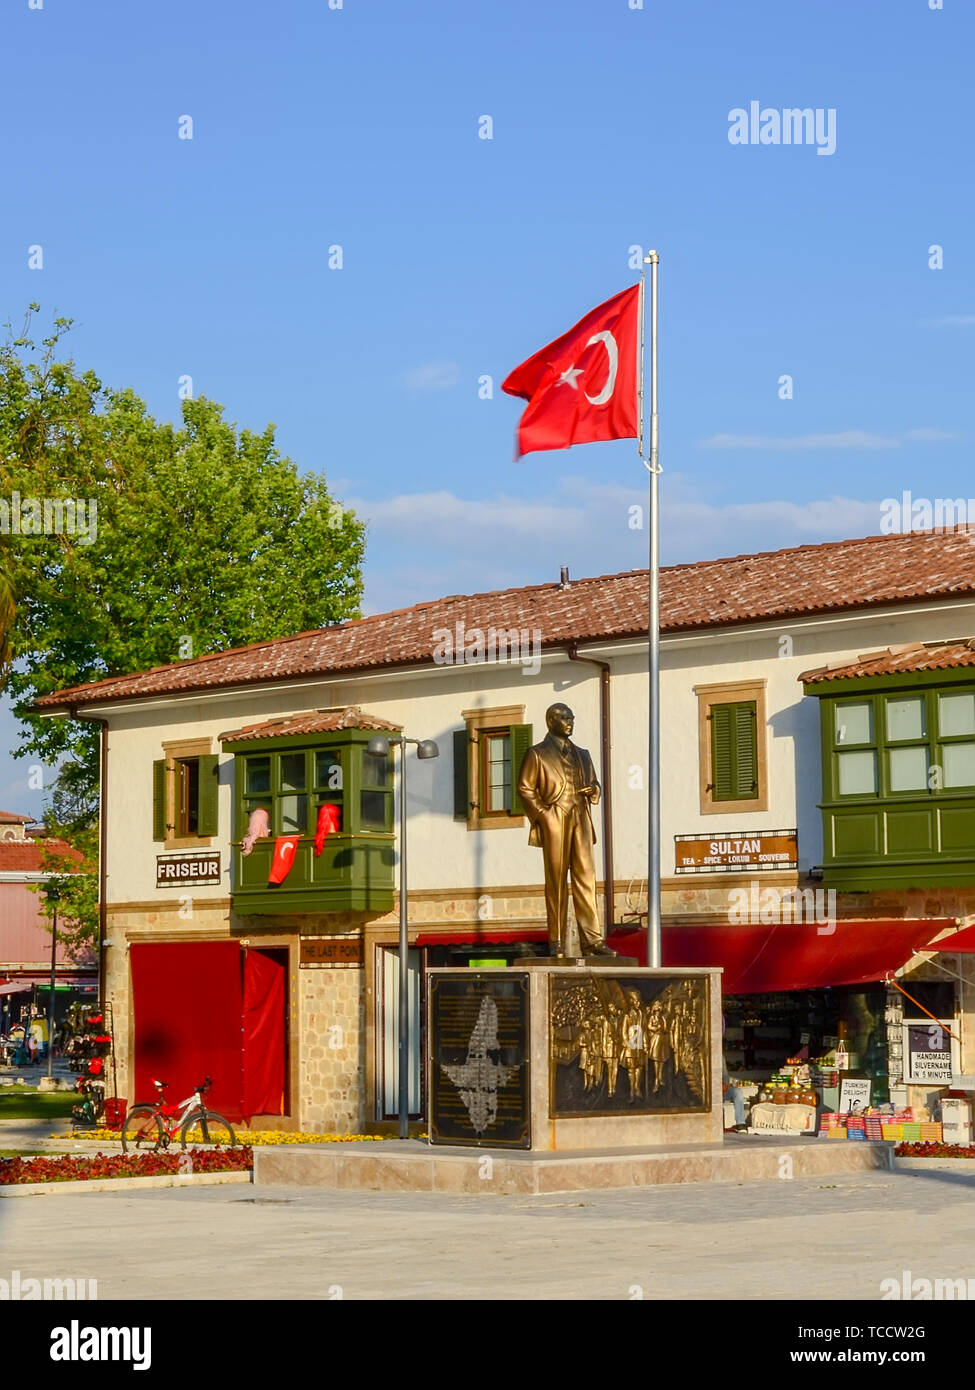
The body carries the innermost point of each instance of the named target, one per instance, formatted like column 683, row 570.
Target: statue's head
column 560, row 720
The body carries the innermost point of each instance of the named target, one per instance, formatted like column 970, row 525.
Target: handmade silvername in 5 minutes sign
column 176, row 869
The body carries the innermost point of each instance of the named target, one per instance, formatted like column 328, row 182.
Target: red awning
column 790, row 956
column 961, row 944
column 488, row 936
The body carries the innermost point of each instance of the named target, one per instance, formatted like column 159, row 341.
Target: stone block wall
column 332, row 1043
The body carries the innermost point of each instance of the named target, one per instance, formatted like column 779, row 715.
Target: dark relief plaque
column 629, row 1045
column 479, row 1060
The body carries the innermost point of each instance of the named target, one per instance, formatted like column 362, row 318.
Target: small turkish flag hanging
column 285, row 849
column 583, row 387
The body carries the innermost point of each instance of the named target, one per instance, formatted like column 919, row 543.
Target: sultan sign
column 734, row 851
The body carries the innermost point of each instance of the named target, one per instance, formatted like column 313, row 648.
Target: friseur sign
column 734, row 850
column 177, row 869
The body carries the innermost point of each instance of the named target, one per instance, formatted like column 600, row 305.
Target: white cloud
column 843, row 439
column 426, row 545
column 784, row 443
column 953, row 321
column 432, row 376
column 927, row 436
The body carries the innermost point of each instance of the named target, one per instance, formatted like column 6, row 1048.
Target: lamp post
column 379, row 747
column 52, row 892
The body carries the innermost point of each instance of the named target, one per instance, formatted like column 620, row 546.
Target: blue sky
column 358, row 127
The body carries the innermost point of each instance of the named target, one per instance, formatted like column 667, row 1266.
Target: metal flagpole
column 653, row 467
column 404, row 957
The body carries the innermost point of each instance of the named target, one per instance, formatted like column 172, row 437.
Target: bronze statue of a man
column 557, row 783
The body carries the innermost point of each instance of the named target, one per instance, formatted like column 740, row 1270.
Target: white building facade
column 291, row 1006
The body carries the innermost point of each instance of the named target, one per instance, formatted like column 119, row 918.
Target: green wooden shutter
column 734, row 752
column 206, row 816
column 462, row 807
column 521, row 741
column 722, row 734
column 159, row 799
column 746, row 751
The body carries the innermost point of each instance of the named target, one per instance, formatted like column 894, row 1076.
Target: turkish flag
column 583, row 387
column 285, row 849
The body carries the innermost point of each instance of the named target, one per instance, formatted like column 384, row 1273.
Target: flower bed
column 935, row 1150
column 82, row 1167
column 252, row 1137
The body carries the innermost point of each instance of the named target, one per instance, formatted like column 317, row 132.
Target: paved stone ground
column 811, row 1238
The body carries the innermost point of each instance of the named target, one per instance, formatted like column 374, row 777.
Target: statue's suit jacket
column 541, row 782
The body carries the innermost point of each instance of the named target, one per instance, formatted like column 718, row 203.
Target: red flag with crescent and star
column 285, row 849
column 583, row 387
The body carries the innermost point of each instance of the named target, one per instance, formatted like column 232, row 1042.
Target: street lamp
column 379, row 747
column 53, row 893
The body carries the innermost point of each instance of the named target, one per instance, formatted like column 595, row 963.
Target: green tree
column 195, row 537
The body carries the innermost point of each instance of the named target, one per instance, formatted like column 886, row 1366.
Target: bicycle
column 153, row 1125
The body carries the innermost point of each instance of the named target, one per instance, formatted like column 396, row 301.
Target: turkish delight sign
column 733, row 851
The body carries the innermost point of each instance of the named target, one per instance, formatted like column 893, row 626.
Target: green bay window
column 898, row 779
column 292, row 778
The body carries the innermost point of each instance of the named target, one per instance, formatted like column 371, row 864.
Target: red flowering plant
column 932, row 1148
column 82, row 1167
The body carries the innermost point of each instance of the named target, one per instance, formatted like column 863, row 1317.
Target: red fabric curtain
column 789, row 956
column 187, row 1003
column 263, row 1027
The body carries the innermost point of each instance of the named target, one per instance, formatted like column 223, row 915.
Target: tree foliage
column 202, row 537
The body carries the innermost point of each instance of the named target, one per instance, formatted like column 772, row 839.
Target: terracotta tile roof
column 12, row 818
column 323, row 721
column 771, row 586
column 893, row 661
column 17, row 856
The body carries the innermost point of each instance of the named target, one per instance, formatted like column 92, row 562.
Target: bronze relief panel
column 629, row 1045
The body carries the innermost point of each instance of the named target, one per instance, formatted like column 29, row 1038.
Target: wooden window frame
column 933, row 741
column 484, row 737
column 498, row 720
column 732, row 693
column 174, row 752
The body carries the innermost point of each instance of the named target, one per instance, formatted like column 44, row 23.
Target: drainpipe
column 102, row 847
column 607, row 798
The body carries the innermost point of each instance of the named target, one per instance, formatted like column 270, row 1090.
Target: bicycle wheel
column 207, row 1127
column 142, row 1129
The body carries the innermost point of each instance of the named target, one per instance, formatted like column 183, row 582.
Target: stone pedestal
column 562, row 1057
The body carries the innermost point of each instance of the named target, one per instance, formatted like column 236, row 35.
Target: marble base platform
column 413, row 1166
